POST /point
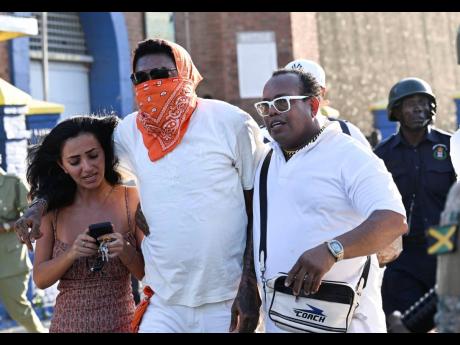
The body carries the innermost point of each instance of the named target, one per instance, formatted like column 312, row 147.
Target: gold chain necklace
column 289, row 153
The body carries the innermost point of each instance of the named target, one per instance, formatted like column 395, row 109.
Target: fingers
column 315, row 284
column 234, row 320
column 292, row 274
column 35, row 232
column 22, row 232
column 85, row 246
column 28, row 244
column 299, row 281
column 247, row 324
column 87, row 238
column 115, row 245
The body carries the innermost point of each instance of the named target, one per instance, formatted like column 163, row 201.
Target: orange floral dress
column 93, row 302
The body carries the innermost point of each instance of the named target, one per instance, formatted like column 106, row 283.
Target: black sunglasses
column 154, row 73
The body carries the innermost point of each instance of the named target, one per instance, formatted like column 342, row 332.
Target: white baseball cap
column 311, row 67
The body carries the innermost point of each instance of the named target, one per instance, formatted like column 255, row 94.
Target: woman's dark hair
column 46, row 177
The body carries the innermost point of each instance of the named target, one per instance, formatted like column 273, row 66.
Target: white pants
column 162, row 317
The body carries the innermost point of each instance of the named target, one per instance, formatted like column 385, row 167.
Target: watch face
column 336, row 247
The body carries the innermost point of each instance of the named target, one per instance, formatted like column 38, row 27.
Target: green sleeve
column 23, row 190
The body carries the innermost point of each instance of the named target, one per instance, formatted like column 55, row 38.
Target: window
column 160, row 25
column 257, row 59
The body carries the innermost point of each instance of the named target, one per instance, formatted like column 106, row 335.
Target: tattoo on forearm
column 39, row 205
column 248, row 263
column 141, row 222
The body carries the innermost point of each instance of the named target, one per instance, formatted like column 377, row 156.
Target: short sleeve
column 358, row 135
column 249, row 149
column 120, row 138
column 23, row 190
column 370, row 186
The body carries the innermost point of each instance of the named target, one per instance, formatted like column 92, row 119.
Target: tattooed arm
column 245, row 309
column 141, row 222
column 31, row 219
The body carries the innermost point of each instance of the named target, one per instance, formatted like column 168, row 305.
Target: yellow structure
column 11, row 95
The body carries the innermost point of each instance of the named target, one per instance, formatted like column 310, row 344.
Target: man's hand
column 31, row 219
column 309, row 270
column 390, row 253
column 245, row 308
column 395, row 324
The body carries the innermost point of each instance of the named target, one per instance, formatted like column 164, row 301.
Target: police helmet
column 408, row 87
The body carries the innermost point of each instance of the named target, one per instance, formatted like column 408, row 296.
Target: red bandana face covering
column 166, row 106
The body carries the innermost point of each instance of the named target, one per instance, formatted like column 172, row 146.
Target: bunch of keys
column 103, row 250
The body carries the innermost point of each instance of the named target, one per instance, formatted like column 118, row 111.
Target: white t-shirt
column 326, row 189
column 193, row 202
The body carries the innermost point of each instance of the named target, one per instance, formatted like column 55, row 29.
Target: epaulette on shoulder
column 385, row 141
column 441, row 131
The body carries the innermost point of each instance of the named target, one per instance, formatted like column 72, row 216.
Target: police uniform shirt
column 423, row 174
column 13, row 199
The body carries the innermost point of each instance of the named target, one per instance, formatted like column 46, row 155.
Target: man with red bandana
column 193, row 161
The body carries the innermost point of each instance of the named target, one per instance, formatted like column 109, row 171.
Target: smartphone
column 99, row 229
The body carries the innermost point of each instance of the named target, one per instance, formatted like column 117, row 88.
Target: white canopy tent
column 12, row 27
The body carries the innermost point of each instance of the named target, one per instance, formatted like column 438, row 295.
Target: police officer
column 418, row 158
column 14, row 261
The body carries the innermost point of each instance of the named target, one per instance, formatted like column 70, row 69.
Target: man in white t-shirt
column 331, row 202
column 309, row 66
column 193, row 161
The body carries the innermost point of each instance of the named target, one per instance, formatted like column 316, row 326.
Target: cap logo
column 298, row 66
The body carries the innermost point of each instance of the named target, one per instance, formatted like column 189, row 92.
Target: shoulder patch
column 439, row 152
column 441, row 132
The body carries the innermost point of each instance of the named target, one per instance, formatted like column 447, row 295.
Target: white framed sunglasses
column 281, row 104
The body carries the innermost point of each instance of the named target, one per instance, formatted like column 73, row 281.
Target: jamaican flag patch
column 442, row 239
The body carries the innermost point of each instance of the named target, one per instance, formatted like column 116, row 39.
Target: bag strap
column 343, row 125
column 367, row 267
column 263, row 210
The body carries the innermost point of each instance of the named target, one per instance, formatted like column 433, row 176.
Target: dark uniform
column 424, row 175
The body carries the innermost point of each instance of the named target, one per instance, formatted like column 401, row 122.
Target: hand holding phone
column 99, row 229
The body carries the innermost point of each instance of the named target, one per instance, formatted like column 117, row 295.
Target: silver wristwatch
column 336, row 249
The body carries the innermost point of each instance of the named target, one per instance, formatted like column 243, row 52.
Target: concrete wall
column 305, row 43
column 364, row 54
column 212, row 43
column 135, row 26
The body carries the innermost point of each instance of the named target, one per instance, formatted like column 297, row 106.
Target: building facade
column 363, row 54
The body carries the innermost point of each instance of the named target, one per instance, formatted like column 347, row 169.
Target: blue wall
column 382, row 123
column 18, row 50
column 107, row 42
